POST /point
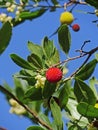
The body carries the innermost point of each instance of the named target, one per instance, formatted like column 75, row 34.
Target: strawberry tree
column 43, row 92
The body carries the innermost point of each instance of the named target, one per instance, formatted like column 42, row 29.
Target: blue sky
column 35, row 31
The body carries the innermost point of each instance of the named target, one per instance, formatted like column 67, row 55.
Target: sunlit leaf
column 87, row 110
column 87, row 70
column 55, row 58
column 64, row 38
column 93, row 82
column 56, row 111
column 27, row 15
column 21, row 62
column 83, row 92
column 5, row 36
column 18, row 88
column 35, row 49
column 44, row 118
column 48, row 47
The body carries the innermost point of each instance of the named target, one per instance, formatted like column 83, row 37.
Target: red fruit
column 53, row 75
column 76, row 27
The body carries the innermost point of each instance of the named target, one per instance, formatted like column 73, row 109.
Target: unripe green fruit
column 66, row 18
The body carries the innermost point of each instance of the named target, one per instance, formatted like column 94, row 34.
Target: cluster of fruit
column 68, row 18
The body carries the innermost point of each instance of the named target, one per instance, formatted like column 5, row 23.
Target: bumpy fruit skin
column 76, row 27
column 53, row 74
column 66, row 18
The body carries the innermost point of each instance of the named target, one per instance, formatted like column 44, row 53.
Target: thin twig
column 89, row 55
column 26, row 107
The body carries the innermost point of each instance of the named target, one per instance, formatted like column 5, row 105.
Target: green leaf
column 35, row 61
column 87, row 110
column 33, row 94
column 55, row 2
column 83, row 92
column 27, row 75
column 5, row 36
column 87, row 70
column 56, row 112
column 64, row 38
column 63, row 96
column 55, row 58
column 44, row 118
column 92, row 82
column 32, row 15
column 96, row 56
column 19, row 88
column 35, row 128
column 27, row 15
column 49, row 89
column 48, row 47
column 35, row 49
column 93, row 3
column 75, row 127
column 21, row 62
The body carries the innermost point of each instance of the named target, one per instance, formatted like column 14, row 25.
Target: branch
column 26, row 107
column 86, row 53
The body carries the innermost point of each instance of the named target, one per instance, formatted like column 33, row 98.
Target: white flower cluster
column 40, row 81
column 5, row 18
column 12, row 8
column 96, row 12
column 16, row 108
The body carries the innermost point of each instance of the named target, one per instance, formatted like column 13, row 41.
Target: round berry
column 76, row 27
column 53, row 74
column 66, row 18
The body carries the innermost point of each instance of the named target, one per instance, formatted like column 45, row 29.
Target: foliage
column 43, row 102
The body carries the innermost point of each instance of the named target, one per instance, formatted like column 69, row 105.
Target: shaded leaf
column 56, row 111
column 21, row 62
column 87, row 70
column 64, row 38
column 35, row 128
column 49, row 89
column 63, row 96
column 55, row 2
column 87, row 110
column 28, row 75
column 5, row 36
column 83, row 92
column 35, row 60
column 33, row 94
column 93, row 3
